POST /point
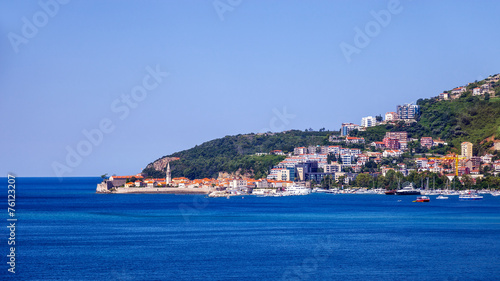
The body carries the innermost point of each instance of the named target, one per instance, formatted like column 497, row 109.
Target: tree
column 347, row 169
column 105, row 176
column 371, row 165
column 363, row 180
column 378, row 118
column 341, row 180
column 411, row 146
column 399, row 178
column 467, row 181
column 132, row 179
column 456, row 183
column 328, row 182
column 380, row 181
column 390, row 179
column 331, row 158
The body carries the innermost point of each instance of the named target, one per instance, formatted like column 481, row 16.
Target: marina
column 463, row 195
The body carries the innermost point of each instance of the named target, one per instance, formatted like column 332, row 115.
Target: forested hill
column 237, row 154
column 468, row 118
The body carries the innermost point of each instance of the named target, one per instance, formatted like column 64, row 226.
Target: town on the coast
column 394, row 164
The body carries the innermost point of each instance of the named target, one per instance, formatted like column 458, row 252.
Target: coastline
column 156, row 190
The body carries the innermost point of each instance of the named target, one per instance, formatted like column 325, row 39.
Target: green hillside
column 236, row 153
column 468, row 118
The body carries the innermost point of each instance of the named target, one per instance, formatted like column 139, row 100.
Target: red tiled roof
column 127, row 177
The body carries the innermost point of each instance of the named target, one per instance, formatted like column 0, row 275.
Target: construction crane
column 452, row 157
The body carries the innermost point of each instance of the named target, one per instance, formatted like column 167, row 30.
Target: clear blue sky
column 229, row 72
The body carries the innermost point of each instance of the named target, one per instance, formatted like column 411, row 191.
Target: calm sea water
column 67, row 232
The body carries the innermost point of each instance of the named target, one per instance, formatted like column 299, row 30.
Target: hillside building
column 466, row 149
column 426, row 142
column 408, row 111
column 401, row 136
column 346, row 128
column 369, row 121
column 391, row 116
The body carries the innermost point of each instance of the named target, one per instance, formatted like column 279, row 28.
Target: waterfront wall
column 102, row 188
column 162, row 190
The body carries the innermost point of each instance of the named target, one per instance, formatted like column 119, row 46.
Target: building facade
column 346, row 128
column 391, row 116
column 391, row 143
column 401, row 136
column 408, row 111
column 300, row 150
column 369, row 121
column 466, row 149
column 426, row 142
column 332, row 168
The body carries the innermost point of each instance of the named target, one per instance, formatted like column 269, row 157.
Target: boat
column 297, row 190
column 442, row 197
column 496, row 193
column 431, row 193
column 408, row 189
column 390, row 192
column 366, row 191
column 470, row 197
column 422, row 199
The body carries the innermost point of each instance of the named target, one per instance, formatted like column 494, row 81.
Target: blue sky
column 233, row 67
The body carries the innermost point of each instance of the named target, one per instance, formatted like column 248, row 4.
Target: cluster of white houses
column 484, row 87
column 311, row 163
column 406, row 112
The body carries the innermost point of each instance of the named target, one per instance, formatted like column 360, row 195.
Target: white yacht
column 408, row 189
column 297, row 190
column 470, row 196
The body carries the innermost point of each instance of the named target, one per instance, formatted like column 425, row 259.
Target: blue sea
column 65, row 231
